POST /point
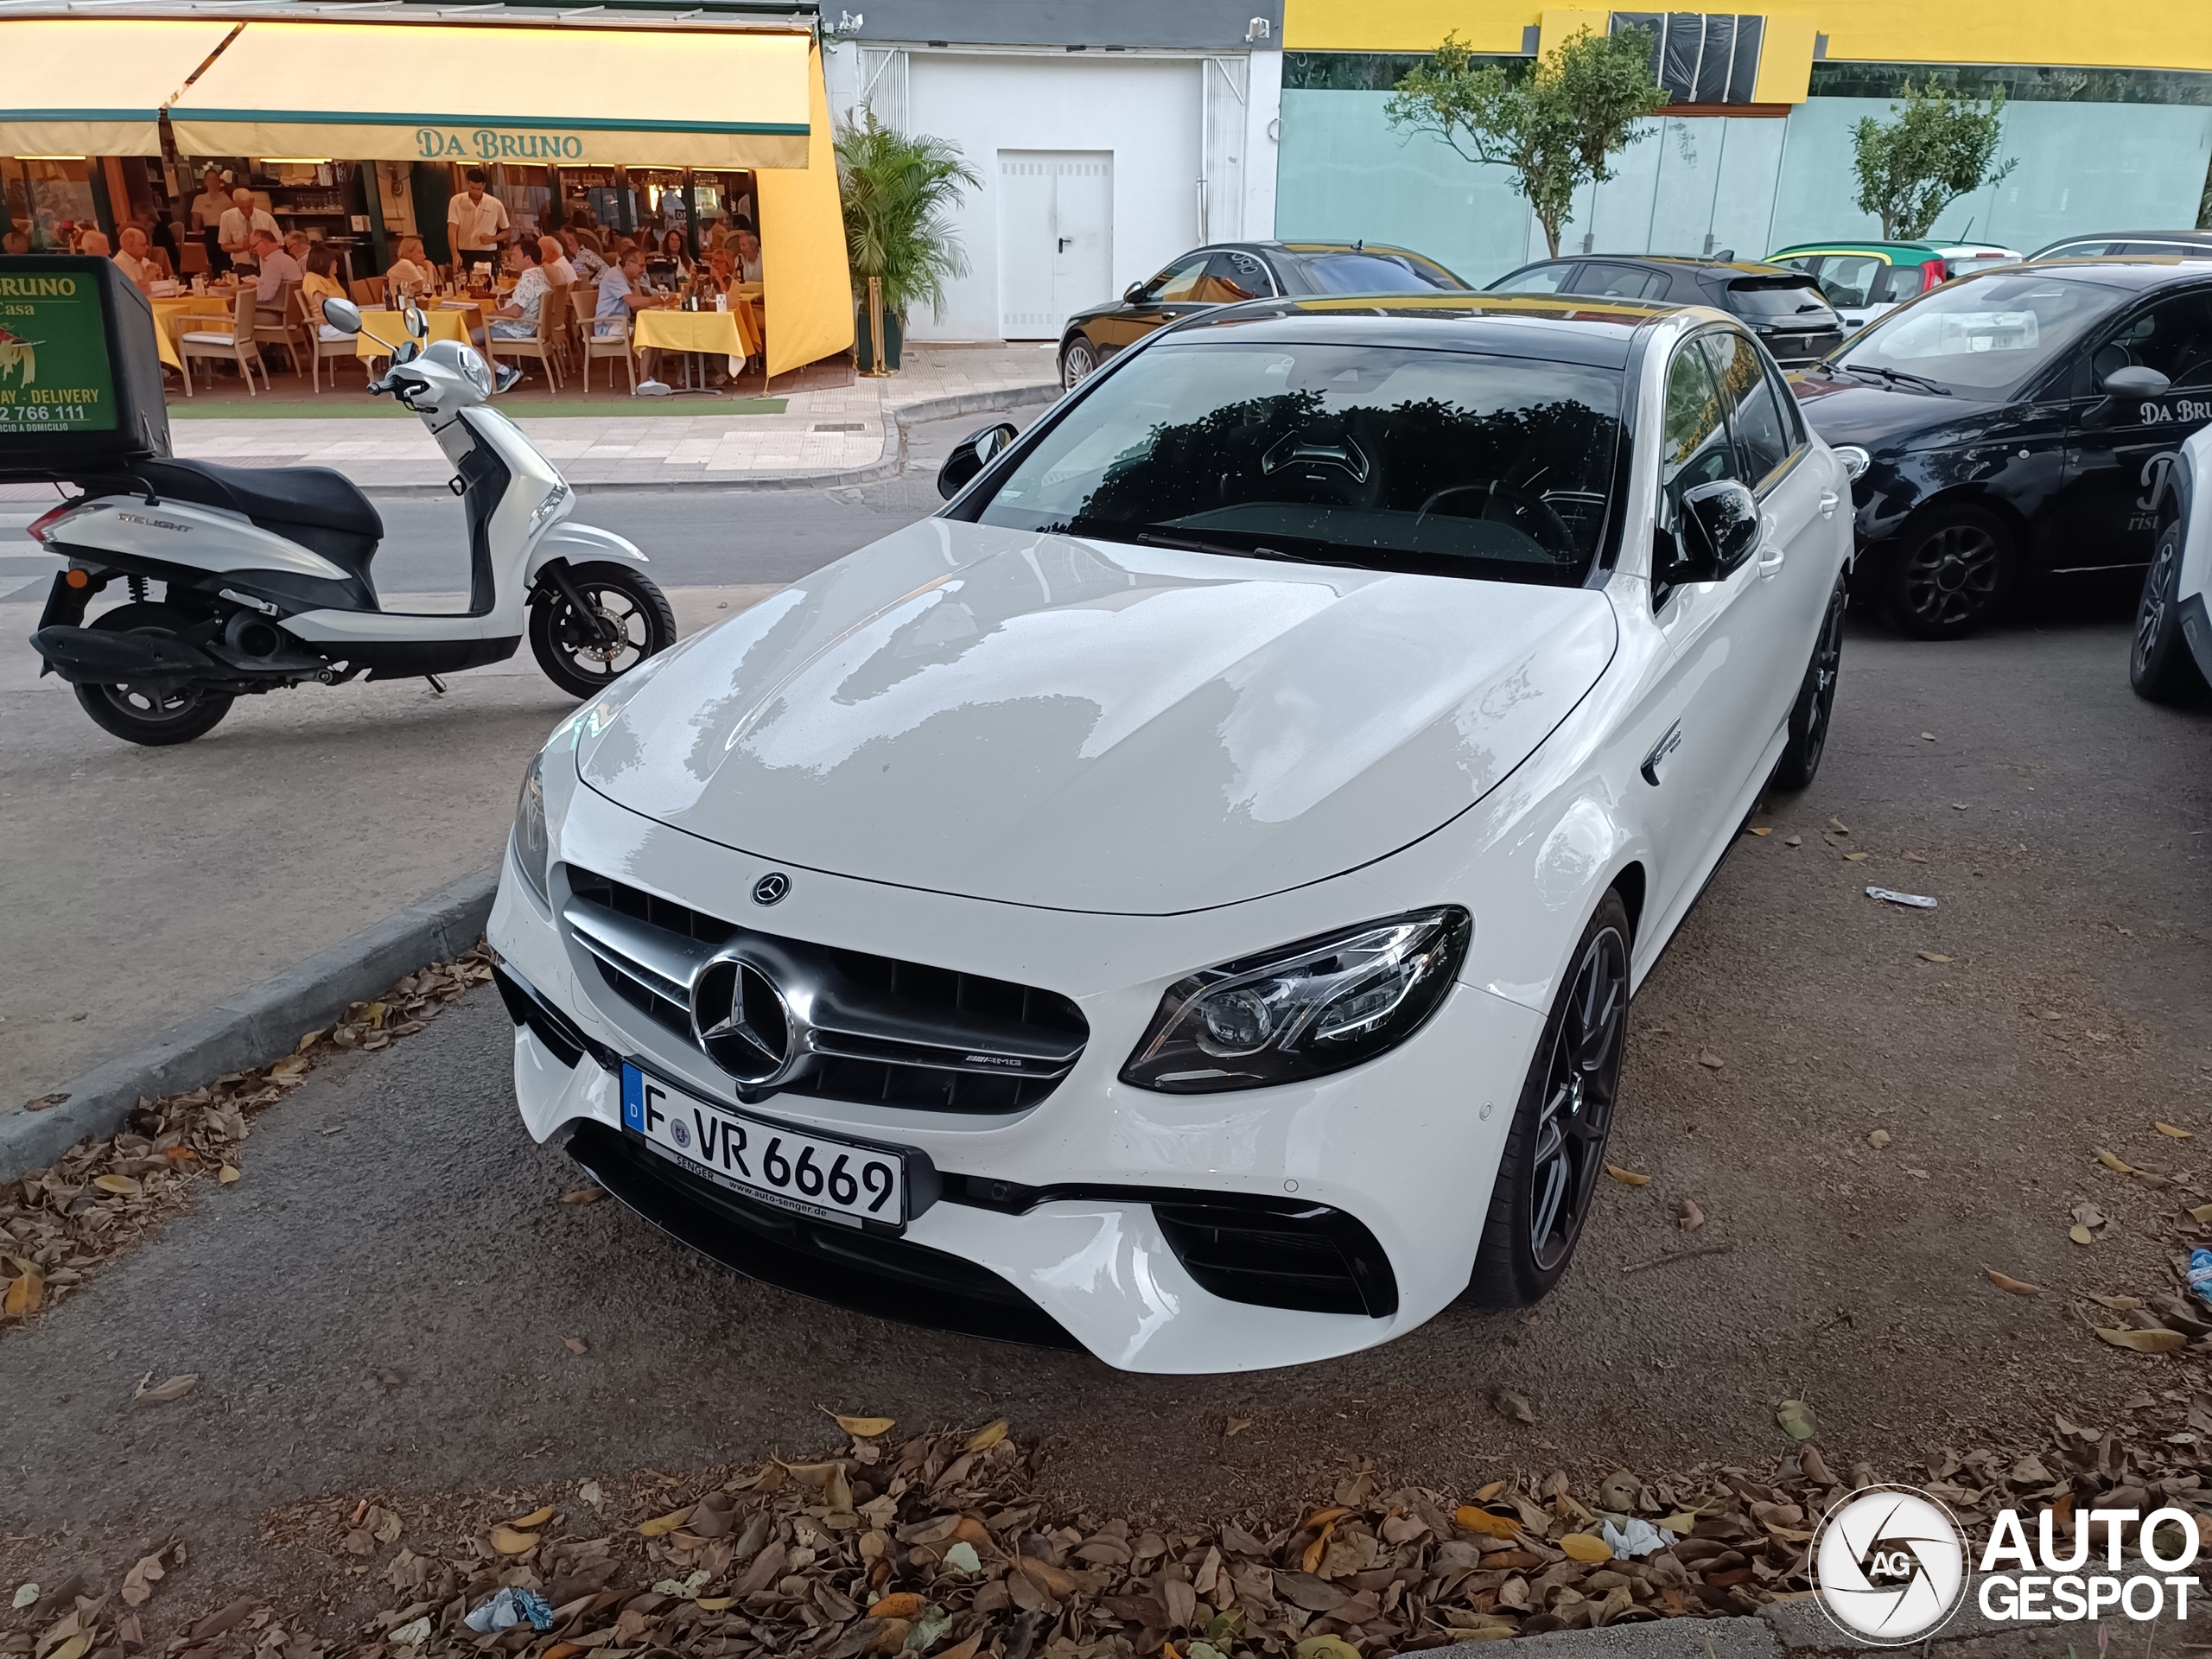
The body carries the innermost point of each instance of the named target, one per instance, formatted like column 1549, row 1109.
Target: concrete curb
column 893, row 462
column 256, row 1026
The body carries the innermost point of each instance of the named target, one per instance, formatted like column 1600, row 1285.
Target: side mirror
column 970, row 456
column 1133, row 293
column 417, row 324
column 343, row 315
column 2122, row 385
column 1718, row 528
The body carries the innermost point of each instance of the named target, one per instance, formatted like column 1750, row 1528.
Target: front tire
column 1078, row 361
column 154, row 716
column 1554, row 1156
column 1954, row 570
column 1810, row 714
column 2160, row 666
column 570, row 646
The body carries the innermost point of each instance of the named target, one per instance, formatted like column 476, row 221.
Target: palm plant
column 899, row 191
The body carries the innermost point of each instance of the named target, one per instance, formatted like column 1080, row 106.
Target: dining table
column 174, row 314
column 695, row 333
column 388, row 325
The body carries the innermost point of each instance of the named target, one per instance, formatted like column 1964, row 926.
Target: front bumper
column 1070, row 1219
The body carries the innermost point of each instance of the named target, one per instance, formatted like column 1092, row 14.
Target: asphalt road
column 393, row 1213
column 143, row 885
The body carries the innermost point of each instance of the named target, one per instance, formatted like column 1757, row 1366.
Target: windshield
column 1984, row 335
column 1371, row 272
column 1444, row 462
column 1776, row 302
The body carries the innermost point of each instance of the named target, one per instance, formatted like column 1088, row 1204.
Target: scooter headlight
column 1320, row 1005
column 476, row 370
column 532, row 845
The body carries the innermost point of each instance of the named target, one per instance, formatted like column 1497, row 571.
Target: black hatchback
column 1785, row 309
column 1225, row 273
column 2014, row 423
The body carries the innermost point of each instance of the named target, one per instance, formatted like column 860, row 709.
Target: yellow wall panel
column 1785, row 60
column 1560, row 27
column 2122, row 34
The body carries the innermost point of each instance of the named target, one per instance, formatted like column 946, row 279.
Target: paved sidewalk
column 832, row 431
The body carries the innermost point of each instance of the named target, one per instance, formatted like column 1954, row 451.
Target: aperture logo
column 1889, row 1564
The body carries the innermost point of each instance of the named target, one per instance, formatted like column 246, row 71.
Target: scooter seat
column 313, row 505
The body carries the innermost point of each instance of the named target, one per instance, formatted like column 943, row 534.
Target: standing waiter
column 476, row 223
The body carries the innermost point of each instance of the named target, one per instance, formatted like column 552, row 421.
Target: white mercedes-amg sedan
column 1183, row 898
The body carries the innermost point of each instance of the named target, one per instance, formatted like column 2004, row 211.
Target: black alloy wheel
column 2160, row 665
column 1078, row 359
column 1953, row 573
column 1811, row 713
column 153, row 716
column 627, row 619
column 1547, row 1178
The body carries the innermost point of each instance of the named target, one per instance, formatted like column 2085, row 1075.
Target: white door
column 1056, row 238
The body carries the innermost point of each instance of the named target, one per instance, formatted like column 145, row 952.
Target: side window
column 1695, row 448
column 1229, row 277
column 1179, row 282
column 1764, row 436
column 1544, row 279
column 2173, row 336
column 1849, row 278
column 1614, row 281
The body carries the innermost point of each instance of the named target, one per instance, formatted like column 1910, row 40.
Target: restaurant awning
column 449, row 92
column 78, row 87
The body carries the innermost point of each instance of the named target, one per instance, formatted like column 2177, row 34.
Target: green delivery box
column 81, row 380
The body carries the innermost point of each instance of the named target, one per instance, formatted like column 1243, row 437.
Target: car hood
column 1041, row 720
column 1848, row 409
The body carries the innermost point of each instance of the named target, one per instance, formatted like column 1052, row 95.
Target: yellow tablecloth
column 172, row 316
column 392, row 325
column 718, row 334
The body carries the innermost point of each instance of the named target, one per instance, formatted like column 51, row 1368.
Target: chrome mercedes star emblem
column 771, row 888
column 739, row 1020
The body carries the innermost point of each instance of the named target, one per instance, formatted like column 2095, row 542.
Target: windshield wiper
column 1897, row 377
column 1200, row 545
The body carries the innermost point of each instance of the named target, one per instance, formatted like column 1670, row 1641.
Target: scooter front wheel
column 153, row 716
column 626, row 621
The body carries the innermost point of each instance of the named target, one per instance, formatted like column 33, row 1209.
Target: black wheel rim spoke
column 1582, row 1082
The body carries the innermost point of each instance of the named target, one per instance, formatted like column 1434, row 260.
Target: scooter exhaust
column 95, row 656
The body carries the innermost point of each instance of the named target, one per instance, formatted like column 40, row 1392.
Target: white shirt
column 236, row 232
column 474, row 225
column 140, row 271
column 528, row 292
column 208, row 208
column 560, row 271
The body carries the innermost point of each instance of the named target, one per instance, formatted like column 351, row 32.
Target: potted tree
column 899, row 191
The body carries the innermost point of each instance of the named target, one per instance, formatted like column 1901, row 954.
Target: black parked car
column 2011, row 420
column 1785, row 309
column 2182, row 244
column 1226, row 273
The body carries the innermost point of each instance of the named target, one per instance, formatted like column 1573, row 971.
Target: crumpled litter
column 1917, row 900
column 508, row 1609
column 1632, row 1537
column 2200, row 1273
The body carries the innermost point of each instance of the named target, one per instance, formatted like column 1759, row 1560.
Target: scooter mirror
column 417, row 324
column 406, row 352
column 343, row 315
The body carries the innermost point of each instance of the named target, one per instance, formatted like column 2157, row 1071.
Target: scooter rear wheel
column 571, row 648
column 155, row 716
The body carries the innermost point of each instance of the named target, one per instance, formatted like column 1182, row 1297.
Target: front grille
column 1308, row 1258
column 888, row 1277
column 883, row 1031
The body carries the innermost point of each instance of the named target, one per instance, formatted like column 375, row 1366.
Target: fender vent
column 1308, row 1257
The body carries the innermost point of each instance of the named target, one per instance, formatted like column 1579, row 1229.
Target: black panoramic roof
column 2131, row 271
column 1566, row 328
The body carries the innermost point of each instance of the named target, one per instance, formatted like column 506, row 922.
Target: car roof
column 1667, row 262
column 1598, row 334
column 2123, row 270
column 2198, row 236
column 1853, row 245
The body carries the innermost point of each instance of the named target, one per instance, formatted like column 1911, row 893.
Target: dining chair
column 237, row 344
column 277, row 324
column 544, row 344
column 324, row 342
column 612, row 344
column 556, row 306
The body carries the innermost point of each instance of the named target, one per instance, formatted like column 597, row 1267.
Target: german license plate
column 817, row 1175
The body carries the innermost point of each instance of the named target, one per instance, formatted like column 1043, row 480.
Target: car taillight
column 1934, row 274
column 38, row 527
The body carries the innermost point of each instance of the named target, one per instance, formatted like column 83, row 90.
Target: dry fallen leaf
column 987, row 1436
column 1468, row 1518
column 138, row 1582
column 2012, row 1287
column 508, row 1541
column 1236, row 1426
column 1914, row 858
column 1626, row 1176
column 1515, row 1406
column 1586, row 1547
column 1877, row 1138
column 860, row 1428
column 584, row 1195
column 661, row 1525
column 121, row 1185
column 1933, row 956
column 535, row 1518
column 162, row 1393
column 1795, row 841
column 2110, row 1161
column 2118, row 1303
column 1928, row 737
column 1709, row 1060
column 2081, row 1234
column 2179, row 1133
column 2201, row 1213
column 1855, row 858
column 2144, row 1342
column 228, row 1174
column 1689, row 1216
column 24, row 1296
column 575, row 1345
column 1839, row 827
column 1762, row 832
column 1798, row 1419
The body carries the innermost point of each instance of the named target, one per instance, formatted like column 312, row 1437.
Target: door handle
column 1063, row 243
column 1668, row 742
column 1772, row 552
column 1829, row 498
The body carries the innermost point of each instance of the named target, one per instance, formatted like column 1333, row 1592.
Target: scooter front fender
column 577, row 543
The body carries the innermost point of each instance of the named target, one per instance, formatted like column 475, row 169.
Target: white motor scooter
column 265, row 570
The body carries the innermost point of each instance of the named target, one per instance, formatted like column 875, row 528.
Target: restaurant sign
column 54, row 375
column 488, row 145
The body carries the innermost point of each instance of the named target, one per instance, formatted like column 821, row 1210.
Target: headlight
column 532, row 846
column 478, row 371
column 1304, row 1010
